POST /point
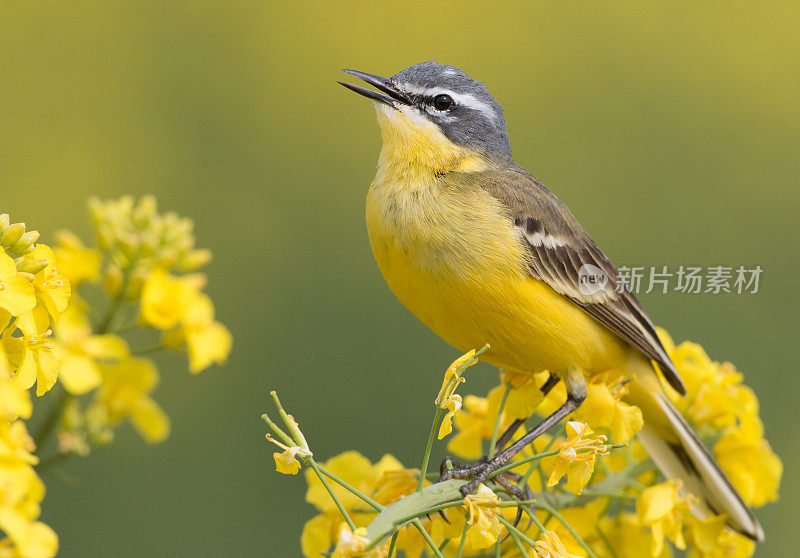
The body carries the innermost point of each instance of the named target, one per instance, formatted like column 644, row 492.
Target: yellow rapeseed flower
column 453, row 377
column 77, row 262
column 484, row 512
column 352, row 544
column 748, row 460
column 26, row 539
column 447, row 397
column 207, row 341
column 627, row 538
column 663, row 509
column 32, row 355
column 177, row 305
column 165, row 298
column 80, row 353
column 125, row 394
column 525, row 395
column 550, row 546
column 453, row 405
column 322, row 530
column 17, row 294
column 14, row 399
column 474, row 425
column 53, row 289
column 576, row 457
column 286, row 462
column 603, row 408
column 16, row 446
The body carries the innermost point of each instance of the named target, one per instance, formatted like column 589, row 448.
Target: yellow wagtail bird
column 481, row 251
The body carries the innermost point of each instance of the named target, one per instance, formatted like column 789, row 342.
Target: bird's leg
column 576, row 393
column 552, row 380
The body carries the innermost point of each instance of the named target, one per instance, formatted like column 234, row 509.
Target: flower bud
column 68, row 239
column 12, row 233
column 31, row 265
column 129, row 245
column 144, row 211
column 5, row 220
column 194, row 259
column 25, row 243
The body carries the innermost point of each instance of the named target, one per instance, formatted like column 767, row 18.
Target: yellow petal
column 350, row 466
column 56, row 298
column 453, row 405
column 47, row 367
column 579, row 475
column 34, row 323
column 626, row 423
column 79, row 374
column 164, row 299
column 108, row 346
column 524, row 398
column 14, row 400
column 317, row 536
column 208, row 345
column 655, row 502
column 286, row 462
column 17, row 295
column 150, row 420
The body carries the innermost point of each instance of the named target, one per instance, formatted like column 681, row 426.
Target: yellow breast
column 450, row 253
column 455, row 261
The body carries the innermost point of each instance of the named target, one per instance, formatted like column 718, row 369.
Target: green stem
column 523, row 461
column 426, row 458
column 518, row 542
column 105, row 323
column 512, row 529
column 569, row 528
column 51, row 421
column 277, row 430
column 607, row 542
column 356, row 492
column 497, row 420
column 150, row 349
column 313, row 464
column 392, row 544
column 418, row 524
column 497, row 546
column 463, row 539
column 290, row 423
column 515, row 464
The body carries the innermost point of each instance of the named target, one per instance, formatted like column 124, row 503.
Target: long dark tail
column 680, row 454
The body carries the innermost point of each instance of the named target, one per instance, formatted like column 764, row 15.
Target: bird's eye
column 442, row 102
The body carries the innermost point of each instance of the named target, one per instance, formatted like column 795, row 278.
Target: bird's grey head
column 459, row 105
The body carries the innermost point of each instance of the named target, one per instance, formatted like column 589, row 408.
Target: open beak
column 389, row 94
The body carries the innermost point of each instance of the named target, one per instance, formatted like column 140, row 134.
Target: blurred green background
column 672, row 132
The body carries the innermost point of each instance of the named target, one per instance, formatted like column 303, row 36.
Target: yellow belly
column 469, row 284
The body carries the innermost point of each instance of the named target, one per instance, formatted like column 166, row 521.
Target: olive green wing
column 564, row 256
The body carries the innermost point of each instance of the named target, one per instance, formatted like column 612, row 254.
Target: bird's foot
column 480, row 473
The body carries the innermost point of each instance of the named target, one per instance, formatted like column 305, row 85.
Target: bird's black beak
column 392, row 94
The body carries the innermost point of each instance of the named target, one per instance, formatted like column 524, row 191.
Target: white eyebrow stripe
column 464, row 99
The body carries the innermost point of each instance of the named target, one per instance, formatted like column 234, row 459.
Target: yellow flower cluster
column 46, row 335
column 138, row 250
column 719, row 403
column 33, row 296
column 614, row 503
